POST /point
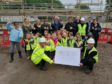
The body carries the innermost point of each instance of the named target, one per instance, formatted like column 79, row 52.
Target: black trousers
column 52, row 54
column 96, row 40
column 89, row 63
column 42, row 64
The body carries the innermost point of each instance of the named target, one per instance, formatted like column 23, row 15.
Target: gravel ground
column 22, row 71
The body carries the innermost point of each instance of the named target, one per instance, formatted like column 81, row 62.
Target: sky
column 92, row 7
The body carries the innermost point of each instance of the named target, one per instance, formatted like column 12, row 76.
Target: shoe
column 43, row 68
column 87, row 71
column 20, row 55
column 11, row 57
column 10, row 61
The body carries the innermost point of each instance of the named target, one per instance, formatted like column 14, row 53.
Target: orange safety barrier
column 104, row 36
column 4, row 41
column 110, row 35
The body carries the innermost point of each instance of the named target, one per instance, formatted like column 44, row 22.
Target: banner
column 67, row 56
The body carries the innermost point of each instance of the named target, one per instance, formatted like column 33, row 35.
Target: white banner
column 67, row 56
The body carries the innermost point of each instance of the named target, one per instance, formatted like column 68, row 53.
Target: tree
column 82, row 7
column 45, row 3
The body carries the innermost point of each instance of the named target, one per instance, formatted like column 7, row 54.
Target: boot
column 20, row 55
column 11, row 57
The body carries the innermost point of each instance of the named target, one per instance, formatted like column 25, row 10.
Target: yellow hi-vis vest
column 71, row 43
column 64, row 42
column 51, row 47
column 38, row 54
column 82, row 29
column 36, row 41
column 78, row 44
column 29, row 45
column 93, row 49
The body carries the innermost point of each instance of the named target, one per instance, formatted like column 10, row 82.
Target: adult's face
column 27, row 21
column 95, row 21
column 43, row 44
column 70, row 20
column 90, row 45
column 38, row 22
column 78, row 18
column 16, row 24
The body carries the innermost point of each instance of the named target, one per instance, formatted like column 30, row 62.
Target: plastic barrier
column 4, row 38
column 104, row 36
column 110, row 35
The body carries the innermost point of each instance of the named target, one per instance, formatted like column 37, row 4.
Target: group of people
column 41, row 39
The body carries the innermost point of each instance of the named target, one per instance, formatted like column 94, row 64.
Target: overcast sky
column 86, row 1
column 93, row 7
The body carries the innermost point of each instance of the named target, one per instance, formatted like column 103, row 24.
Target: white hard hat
column 91, row 41
column 42, row 40
column 82, row 19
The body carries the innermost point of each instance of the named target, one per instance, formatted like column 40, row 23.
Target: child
column 71, row 40
column 78, row 42
column 29, row 45
column 64, row 39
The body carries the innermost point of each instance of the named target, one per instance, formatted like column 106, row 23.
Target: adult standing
column 82, row 28
column 37, row 27
column 95, row 30
column 27, row 28
column 45, row 26
column 56, row 25
column 69, row 26
column 16, row 34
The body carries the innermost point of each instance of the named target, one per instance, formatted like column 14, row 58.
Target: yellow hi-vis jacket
column 93, row 49
column 36, row 41
column 82, row 29
column 51, row 47
column 38, row 54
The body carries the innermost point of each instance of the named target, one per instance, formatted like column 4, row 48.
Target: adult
column 90, row 56
column 45, row 26
column 37, row 27
column 95, row 30
column 77, row 20
column 39, row 57
column 56, row 25
column 27, row 28
column 69, row 26
column 16, row 34
column 82, row 28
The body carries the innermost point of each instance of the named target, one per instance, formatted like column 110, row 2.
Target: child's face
column 28, row 36
column 54, row 35
column 46, row 33
column 59, row 37
column 78, row 38
column 64, row 34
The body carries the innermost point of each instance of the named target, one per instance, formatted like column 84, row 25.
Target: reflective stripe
column 36, row 50
column 38, row 57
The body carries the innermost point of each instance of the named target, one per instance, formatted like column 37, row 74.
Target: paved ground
column 24, row 72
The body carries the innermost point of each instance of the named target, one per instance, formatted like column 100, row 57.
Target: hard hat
column 82, row 19
column 42, row 40
column 91, row 41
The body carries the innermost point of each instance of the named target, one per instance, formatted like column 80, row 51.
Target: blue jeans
column 12, row 46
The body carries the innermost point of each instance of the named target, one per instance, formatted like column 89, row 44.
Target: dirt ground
column 22, row 71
